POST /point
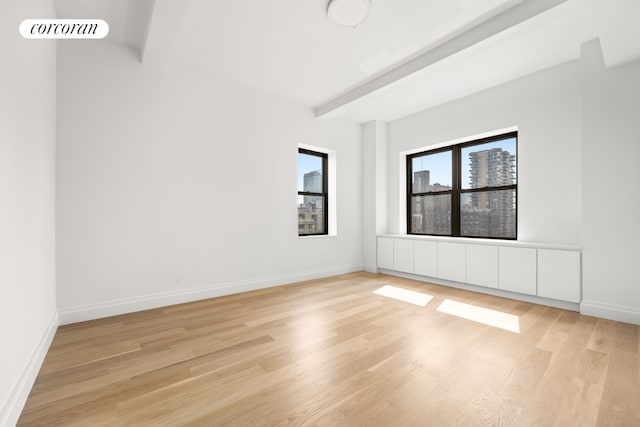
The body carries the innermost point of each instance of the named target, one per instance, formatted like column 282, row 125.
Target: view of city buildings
column 490, row 213
column 484, row 213
column 431, row 214
column 311, row 208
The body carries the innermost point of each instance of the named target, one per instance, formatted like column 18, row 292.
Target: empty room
column 319, row 212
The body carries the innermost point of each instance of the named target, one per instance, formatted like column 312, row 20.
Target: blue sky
column 307, row 163
column 439, row 164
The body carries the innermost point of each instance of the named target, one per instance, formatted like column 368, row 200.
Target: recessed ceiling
column 291, row 49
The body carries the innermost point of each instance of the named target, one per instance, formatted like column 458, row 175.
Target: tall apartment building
column 430, row 214
column 421, row 181
column 491, row 168
column 310, row 213
column 312, row 181
column 490, row 212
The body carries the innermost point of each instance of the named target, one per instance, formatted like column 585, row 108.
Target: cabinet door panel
column 518, row 270
column 559, row 274
column 482, row 265
column 385, row 253
column 451, row 261
column 425, row 258
column 403, row 255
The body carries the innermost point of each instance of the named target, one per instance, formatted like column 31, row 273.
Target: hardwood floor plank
column 622, row 382
column 331, row 352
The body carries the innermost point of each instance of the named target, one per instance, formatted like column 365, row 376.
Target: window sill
column 321, row 236
column 488, row 242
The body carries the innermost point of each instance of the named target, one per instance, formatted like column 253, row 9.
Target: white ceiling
column 548, row 39
column 289, row 47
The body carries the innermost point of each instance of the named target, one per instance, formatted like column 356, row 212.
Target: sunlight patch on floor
column 494, row 318
column 412, row 297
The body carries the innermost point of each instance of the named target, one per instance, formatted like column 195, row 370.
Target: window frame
column 324, row 194
column 456, row 183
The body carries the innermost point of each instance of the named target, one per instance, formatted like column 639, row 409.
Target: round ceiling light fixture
column 348, row 13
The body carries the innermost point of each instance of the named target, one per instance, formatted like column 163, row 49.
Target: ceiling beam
column 618, row 30
column 502, row 21
column 164, row 23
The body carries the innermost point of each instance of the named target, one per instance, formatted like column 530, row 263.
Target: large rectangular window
column 313, row 198
column 465, row 190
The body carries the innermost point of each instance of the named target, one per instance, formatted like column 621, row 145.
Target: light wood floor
column 332, row 353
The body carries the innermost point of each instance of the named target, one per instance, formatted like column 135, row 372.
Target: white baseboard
column 146, row 302
column 611, row 311
column 12, row 408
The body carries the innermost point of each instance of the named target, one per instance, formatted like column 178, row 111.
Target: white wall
column 178, row 184
column 27, row 260
column 545, row 107
column 579, row 142
column 610, row 156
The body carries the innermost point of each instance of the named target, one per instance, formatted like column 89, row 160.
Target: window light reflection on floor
column 412, row 297
column 498, row 319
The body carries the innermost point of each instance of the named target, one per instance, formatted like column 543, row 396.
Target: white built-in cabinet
column 403, row 255
column 482, row 265
column 425, row 258
column 517, row 270
column 385, row 253
column 451, row 261
column 524, row 268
